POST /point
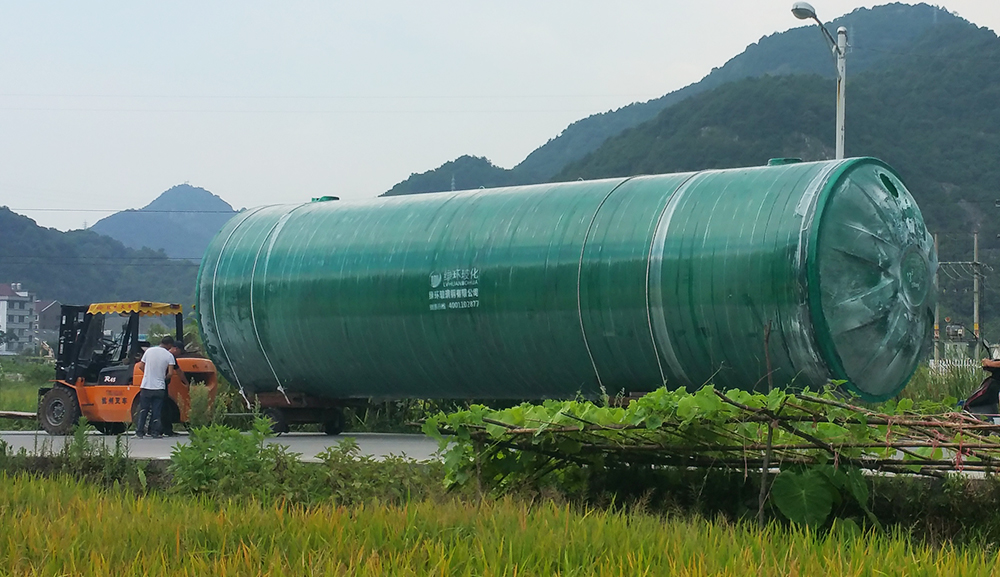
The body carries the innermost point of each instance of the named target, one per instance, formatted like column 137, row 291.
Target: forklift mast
column 73, row 323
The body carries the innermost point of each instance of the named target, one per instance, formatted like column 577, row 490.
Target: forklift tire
column 334, row 423
column 109, row 428
column 279, row 424
column 59, row 411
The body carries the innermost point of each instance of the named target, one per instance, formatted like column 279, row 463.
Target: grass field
column 18, row 395
column 956, row 382
column 62, row 527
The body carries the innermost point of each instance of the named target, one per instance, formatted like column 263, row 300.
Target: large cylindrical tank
column 813, row 271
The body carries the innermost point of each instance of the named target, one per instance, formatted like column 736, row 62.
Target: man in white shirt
column 157, row 366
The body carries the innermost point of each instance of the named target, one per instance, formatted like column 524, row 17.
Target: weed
column 952, row 383
column 201, row 413
column 220, row 461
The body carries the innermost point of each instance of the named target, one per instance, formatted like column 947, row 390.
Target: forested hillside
column 876, row 35
column 933, row 113
column 463, row 173
column 81, row 266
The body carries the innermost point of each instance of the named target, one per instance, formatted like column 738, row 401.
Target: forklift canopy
column 141, row 307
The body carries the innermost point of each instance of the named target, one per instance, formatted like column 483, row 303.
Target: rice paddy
column 59, row 526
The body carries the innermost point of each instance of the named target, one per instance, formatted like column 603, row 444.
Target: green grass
column 957, row 383
column 63, row 527
column 18, row 396
column 20, row 379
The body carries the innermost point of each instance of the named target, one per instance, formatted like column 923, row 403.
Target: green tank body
column 820, row 271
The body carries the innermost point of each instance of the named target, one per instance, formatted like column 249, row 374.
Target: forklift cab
column 86, row 353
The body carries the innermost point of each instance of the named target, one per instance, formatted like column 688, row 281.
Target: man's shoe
column 156, row 436
column 138, row 436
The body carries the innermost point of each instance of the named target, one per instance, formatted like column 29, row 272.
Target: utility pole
column 804, row 11
column 975, row 284
column 841, row 53
column 937, row 311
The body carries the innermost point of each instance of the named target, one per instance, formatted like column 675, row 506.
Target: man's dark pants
column 150, row 401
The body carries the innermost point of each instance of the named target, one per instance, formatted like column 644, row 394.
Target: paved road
column 309, row 445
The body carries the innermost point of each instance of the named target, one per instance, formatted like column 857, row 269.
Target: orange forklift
column 97, row 376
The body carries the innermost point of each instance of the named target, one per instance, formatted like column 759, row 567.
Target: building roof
column 6, row 291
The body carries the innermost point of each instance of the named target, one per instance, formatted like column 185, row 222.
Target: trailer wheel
column 109, row 428
column 59, row 411
column 279, row 423
column 334, row 423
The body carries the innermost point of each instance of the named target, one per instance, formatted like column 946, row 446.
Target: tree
column 7, row 337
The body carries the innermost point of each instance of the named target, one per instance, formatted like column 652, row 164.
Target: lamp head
column 804, row 11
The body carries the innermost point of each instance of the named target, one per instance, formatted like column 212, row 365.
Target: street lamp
column 804, row 11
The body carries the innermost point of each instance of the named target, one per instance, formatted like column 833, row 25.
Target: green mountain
column 876, row 35
column 463, row 173
column 181, row 222
column 81, row 266
column 931, row 112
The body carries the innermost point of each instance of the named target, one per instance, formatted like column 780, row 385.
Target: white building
column 18, row 320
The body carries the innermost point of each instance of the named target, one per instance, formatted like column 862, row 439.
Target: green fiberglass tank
column 812, row 271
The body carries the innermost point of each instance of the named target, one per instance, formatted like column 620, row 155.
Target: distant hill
column 463, row 173
column 876, row 35
column 81, row 266
column 181, row 222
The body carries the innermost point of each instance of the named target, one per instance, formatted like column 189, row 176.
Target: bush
column 219, row 461
column 200, row 413
column 222, row 462
column 82, row 458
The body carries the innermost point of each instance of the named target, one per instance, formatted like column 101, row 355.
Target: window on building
column 10, row 318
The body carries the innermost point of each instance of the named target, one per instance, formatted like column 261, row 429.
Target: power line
column 115, row 265
column 103, row 258
column 290, row 111
column 316, row 97
column 126, row 210
column 978, row 58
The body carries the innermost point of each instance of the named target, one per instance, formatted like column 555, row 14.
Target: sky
column 104, row 105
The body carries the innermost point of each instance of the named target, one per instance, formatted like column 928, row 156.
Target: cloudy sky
column 104, row 105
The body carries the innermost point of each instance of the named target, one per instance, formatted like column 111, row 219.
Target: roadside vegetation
column 952, row 383
column 231, row 503
column 583, row 494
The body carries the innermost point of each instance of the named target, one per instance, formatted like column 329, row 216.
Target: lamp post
column 804, row 11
